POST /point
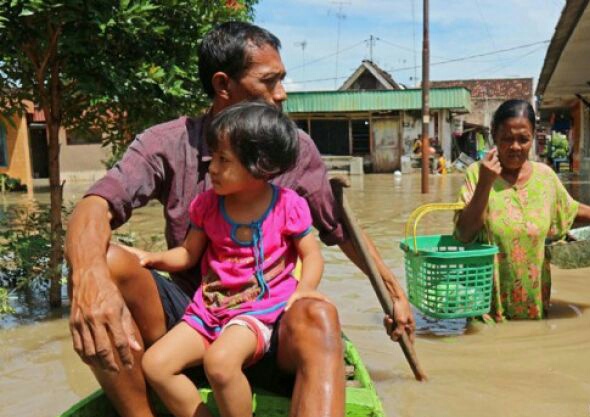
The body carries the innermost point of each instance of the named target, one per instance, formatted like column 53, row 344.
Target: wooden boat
column 573, row 252
column 361, row 397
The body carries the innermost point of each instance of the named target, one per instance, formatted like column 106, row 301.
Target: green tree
column 113, row 67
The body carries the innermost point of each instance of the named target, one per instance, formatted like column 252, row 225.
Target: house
column 24, row 151
column 472, row 133
column 379, row 125
column 563, row 90
column 488, row 94
column 373, row 117
column 369, row 76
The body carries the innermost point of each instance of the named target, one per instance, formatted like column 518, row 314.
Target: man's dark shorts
column 264, row 373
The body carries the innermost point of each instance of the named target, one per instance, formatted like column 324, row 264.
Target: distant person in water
column 441, row 162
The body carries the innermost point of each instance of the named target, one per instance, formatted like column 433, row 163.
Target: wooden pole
column 425, row 100
column 373, row 273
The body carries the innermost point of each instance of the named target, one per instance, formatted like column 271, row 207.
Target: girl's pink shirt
column 229, row 287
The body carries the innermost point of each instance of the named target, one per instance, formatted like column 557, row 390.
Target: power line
column 465, row 58
column 405, row 48
column 297, row 67
column 316, row 80
column 485, row 23
column 495, row 69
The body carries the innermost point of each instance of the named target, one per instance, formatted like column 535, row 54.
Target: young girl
column 251, row 233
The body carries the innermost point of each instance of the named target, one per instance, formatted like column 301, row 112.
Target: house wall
column 407, row 127
column 78, row 162
column 412, row 129
column 19, row 162
column 482, row 111
column 366, row 81
column 81, row 162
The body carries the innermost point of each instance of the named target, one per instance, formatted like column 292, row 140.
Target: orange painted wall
column 17, row 141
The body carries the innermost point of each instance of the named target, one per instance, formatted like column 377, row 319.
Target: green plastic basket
column 447, row 278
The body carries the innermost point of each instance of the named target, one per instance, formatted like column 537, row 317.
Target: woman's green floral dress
column 518, row 220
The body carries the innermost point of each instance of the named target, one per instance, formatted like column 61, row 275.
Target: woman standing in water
column 516, row 204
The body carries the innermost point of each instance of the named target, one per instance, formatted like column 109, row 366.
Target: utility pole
column 372, row 41
column 340, row 16
column 302, row 45
column 425, row 100
column 414, row 41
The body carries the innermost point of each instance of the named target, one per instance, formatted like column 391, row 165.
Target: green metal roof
column 455, row 98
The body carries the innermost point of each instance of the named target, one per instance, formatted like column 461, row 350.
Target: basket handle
column 412, row 223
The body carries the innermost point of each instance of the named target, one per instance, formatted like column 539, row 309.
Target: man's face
column 263, row 80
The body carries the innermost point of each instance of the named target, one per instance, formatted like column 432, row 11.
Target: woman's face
column 514, row 138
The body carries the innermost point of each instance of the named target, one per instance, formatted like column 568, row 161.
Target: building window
column 3, row 147
column 331, row 136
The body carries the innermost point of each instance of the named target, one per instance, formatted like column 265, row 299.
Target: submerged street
column 474, row 369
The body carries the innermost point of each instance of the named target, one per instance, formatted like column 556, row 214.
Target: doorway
column 386, row 134
column 39, row 150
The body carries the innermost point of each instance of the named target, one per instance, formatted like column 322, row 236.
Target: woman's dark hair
column 513, row 108
column 264, row 139
column 225, row 49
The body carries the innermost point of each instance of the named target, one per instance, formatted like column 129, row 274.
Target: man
column 118, row 307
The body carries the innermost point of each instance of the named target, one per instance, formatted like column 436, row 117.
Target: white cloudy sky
column 458, row 29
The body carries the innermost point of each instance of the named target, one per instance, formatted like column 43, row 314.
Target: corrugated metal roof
column 458, row 99
column 570, row 15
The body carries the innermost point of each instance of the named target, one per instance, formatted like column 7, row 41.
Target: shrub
column 11, row 184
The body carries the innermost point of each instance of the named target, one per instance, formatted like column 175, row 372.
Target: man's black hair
column 264, row 139
column 225, row 49
column 513, row 108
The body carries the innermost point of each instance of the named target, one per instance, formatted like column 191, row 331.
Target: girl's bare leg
column 163, row 363
column 223, row 365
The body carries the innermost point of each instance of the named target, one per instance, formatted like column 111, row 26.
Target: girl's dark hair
column 225, row 49
column 513, row 108
column 264, row 139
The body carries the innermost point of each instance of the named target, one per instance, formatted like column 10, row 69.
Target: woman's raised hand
column 490, row 167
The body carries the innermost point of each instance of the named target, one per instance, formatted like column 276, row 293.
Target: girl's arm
column 471, row 218
column 583, row 215
column 177, row 259
column 312, row 267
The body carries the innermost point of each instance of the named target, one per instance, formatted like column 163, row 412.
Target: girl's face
column 514, row 138
column 228, row 175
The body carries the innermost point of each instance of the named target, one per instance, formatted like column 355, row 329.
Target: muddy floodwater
column 520, row 368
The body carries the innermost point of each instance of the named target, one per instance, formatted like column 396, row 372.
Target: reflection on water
column 430, row 326
column 577, row 185
column 521, row 368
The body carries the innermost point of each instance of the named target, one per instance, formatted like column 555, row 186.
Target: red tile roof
column 499, row 88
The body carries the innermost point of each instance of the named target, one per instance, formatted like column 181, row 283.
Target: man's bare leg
column 127, row 389
column 310, row 345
